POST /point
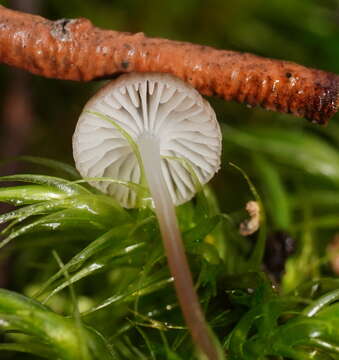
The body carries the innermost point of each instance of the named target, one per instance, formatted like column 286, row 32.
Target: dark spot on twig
column 60, row 29
column 124, row 64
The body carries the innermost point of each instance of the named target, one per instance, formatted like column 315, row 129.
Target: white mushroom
column 154, row 129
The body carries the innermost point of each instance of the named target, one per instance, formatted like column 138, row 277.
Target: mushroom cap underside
column 159, row 105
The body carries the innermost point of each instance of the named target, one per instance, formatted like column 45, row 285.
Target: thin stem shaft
column 175, row 252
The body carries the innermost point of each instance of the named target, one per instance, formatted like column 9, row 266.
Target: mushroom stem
column 149, row 148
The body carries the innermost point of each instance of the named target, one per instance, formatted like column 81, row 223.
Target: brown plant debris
column 251, row 225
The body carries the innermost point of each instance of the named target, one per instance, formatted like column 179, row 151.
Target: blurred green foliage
column 121, row 281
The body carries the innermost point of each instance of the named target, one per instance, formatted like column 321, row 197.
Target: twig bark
column 74, row 49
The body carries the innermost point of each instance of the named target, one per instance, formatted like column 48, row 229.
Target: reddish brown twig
column 76, row 50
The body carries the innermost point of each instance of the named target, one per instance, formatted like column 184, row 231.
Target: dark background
column 39, row 115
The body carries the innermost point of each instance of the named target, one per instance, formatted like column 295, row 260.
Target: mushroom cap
column 162, row 106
